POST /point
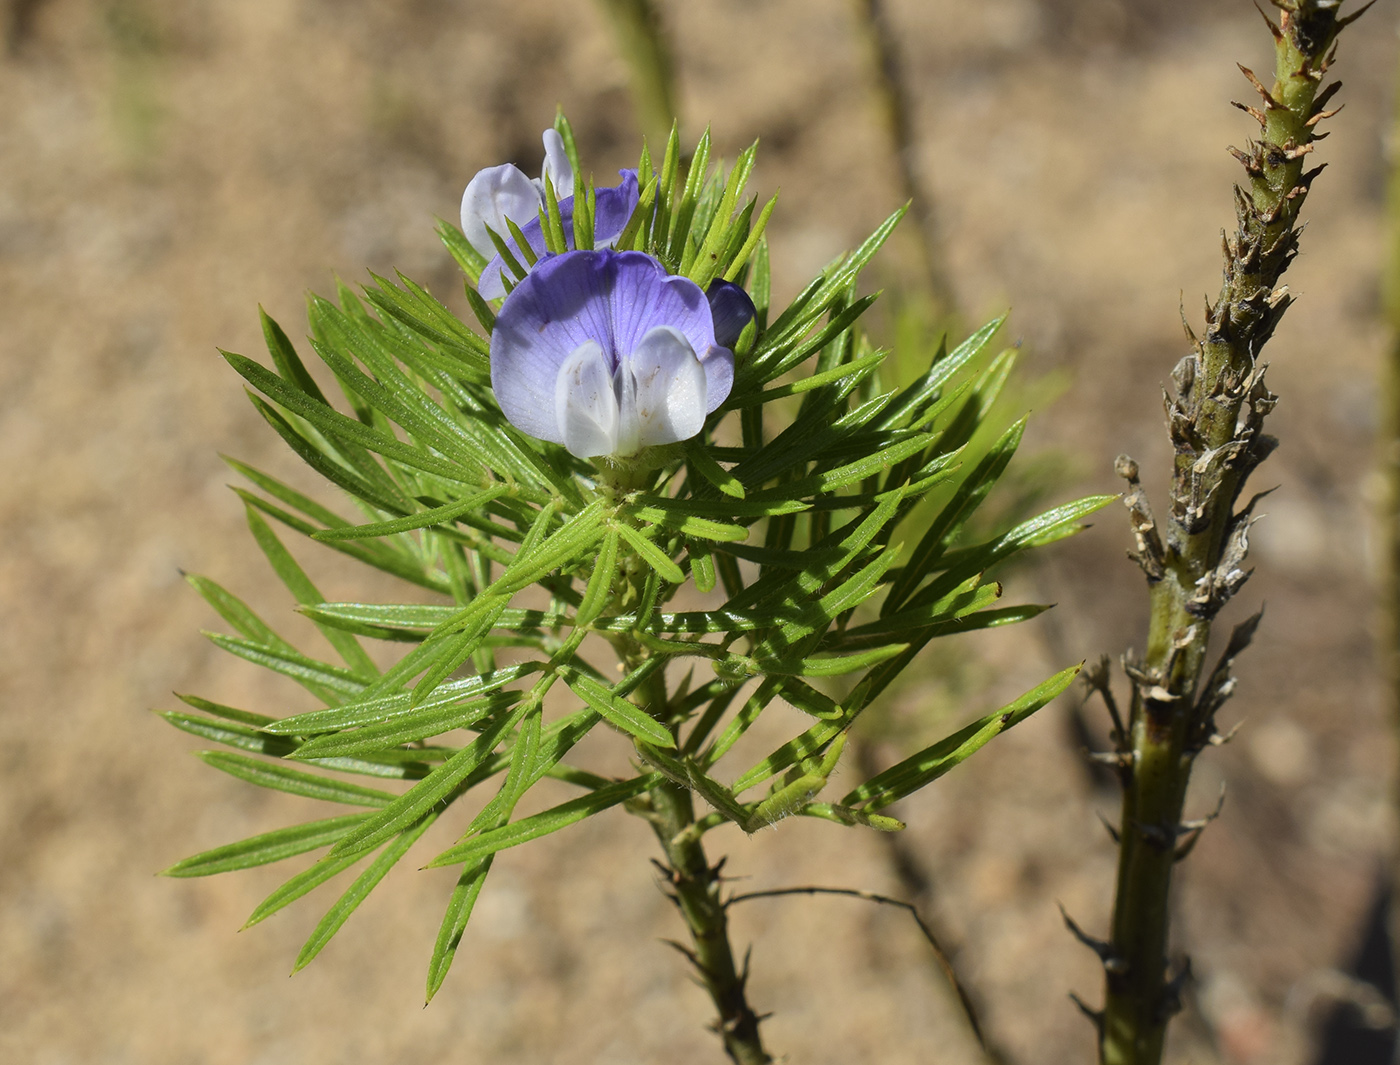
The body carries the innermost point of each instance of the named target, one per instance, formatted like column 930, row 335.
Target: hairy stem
column 1215, row 422
column 696, row 887
column 696, row 890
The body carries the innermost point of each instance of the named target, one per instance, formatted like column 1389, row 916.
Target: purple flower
column 606, row 353
column 501, row 193
column 613, row 210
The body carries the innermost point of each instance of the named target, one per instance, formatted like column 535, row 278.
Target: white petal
column 629, row 428
column 670, row 388
column 492, row 196
column 585, row 403
column 557, row 168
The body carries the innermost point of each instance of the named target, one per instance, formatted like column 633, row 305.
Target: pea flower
column 504, row 192
column 605, row 353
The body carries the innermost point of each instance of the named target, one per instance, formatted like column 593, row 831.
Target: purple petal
column 732, row 310
column 613, row 209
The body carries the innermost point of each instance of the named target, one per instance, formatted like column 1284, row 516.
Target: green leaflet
column 454, row 921
column 385, row 708
column 294, row 781
column 267, row 847
column 667, row 513
column 421, row 520
column 631, row 719
column 319, row 677
column 412, row 727
column 236, row 612
column 651, row 554
column 1052, row 525
column 650, row 507
column 829, row 665
column 931, row 763
column 414, row 622
column 542, row 824
column 238, row 736
column 705, row 465
column 338, row 914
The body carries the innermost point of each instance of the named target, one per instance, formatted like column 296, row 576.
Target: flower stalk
column 896, row 107
column 651, row 68
column 1194, row 560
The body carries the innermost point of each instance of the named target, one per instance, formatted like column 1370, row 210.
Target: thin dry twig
column 944, row 962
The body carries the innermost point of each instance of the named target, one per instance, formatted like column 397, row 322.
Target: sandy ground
column 168, row 166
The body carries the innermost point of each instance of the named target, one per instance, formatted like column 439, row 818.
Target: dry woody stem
column 1194, row 557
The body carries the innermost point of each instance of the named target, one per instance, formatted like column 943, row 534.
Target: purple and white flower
column 607, row 354
column 504, row 192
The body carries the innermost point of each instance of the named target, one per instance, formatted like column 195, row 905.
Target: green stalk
column 642, row 41
column 696, row 890
column 693, row 883
column 1215, row 423
column 896, row 107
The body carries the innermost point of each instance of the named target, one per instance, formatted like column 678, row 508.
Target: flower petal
column 613, row 209
column 557, row 168
column 627, row 305
column 732, row 310
column 669, row 392
column 645, row 296
column 492, row 196
column 718, row 364
column 585, row 403
column 559, row 306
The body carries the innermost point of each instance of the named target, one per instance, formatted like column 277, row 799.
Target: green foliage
column 546, row 567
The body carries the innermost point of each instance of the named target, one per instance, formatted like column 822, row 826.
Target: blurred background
column 165, row 167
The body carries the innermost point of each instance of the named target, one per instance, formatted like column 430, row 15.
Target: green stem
column 1215, row 423
column 695, row 885
column 642, row 42
column 896, row 107
column 696, row 889
column 1139, row 1002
